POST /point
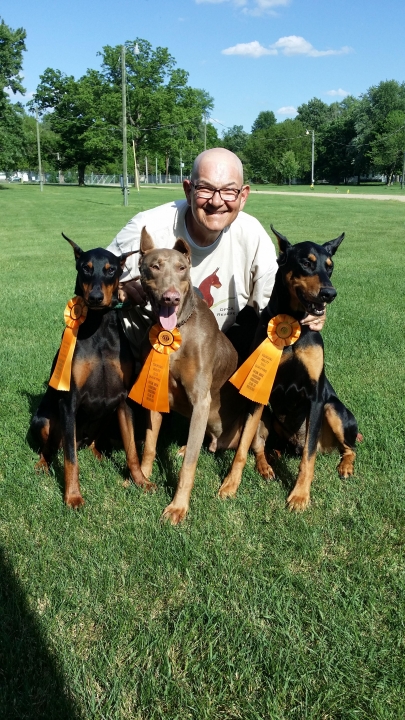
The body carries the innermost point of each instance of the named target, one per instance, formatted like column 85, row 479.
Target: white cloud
column 287, row 110
column 17, row 97
column 251, row 7
column 252, row 49
column 297, row 45
column 338, row 93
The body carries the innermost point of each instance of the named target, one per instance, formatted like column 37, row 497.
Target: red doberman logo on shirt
column 206, row 285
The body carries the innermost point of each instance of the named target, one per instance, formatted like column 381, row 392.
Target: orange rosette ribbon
column 151, row 389
column 74, row 315
column 255, row 378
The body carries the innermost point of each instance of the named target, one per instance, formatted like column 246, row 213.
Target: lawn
column 246, row 611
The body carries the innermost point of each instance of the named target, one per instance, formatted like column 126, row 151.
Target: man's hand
column 315, row 322
column 133, row 292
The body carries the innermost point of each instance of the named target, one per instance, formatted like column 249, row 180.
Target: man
column 233, row 258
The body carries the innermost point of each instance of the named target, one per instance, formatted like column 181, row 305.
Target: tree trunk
column 167, row 166
column 81, row 168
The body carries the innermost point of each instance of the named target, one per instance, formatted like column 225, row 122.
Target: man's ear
column 146, row 242
column 124, row 256
column 76, row 249
column 332, row 245
column 183, row 247
column 283, row 244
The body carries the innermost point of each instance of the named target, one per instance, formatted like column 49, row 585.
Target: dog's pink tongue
column 168, row 317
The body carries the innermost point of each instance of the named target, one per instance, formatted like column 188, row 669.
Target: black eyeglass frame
column 218, row 190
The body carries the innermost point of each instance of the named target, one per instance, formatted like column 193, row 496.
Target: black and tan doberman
column 198, row 370
column 102, row 375
column 306, row 413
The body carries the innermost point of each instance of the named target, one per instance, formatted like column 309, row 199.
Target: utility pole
column 181, row 170
column 136, row 176
column 403, row 173
column 146, row 170
column 313, row 156
column 156, row 170
column 124, row 128
column 39, row 152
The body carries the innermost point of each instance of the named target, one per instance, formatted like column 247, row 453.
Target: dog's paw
column 298, row 502
column 182, row 451
column 345, row 468
column 228, row 488
column 174, row 514
column 142, row 482
column 74, row 500
column 263, row 468
column 42, row 465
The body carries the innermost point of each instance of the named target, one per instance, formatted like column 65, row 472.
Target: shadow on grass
column 31, row 683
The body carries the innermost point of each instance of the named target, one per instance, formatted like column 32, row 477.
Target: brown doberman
column 198, row 370
column 306, row 414
column 101, row 376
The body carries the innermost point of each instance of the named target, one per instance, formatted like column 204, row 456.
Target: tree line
column 81, row 122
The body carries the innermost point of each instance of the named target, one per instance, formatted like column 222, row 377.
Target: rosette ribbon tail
column 75, row 314
column 151, row 389
column 255, row 378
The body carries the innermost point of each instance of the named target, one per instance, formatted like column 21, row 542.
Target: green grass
column 245, row 611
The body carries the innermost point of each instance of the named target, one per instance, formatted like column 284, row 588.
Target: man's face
column 215, row 214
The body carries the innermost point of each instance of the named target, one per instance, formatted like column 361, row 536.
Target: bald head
column 218, row 162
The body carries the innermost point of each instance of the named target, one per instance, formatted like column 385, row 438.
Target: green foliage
column 235, row 139
column 264, row 120
column 288, row 166
column 265, row 149
column 164, row 112
column 314, row 114
column 12, row 45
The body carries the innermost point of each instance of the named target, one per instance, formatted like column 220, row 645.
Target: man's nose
column 216, row 199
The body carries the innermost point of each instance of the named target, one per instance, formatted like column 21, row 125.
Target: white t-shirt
column 238, row 269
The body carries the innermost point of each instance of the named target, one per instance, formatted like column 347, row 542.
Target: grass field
column 246, row 611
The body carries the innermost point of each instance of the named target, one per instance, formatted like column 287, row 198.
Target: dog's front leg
column 67, row 412
column 232, row 481
column 125, row 420
column 178, row 508
column 152, row 434
column 299, row 498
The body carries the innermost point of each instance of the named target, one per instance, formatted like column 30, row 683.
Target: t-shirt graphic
column 206, row 285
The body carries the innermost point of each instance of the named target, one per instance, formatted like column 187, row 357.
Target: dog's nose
column 171, row 297
column 327, row 294
column 96, row 297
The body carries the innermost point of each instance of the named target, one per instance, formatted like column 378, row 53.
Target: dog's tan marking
column 328, row 261
column 312, row 257
column 73, row 496
column 312, row 358
column 82, row 369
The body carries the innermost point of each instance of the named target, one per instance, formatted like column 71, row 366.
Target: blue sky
column 250, row 55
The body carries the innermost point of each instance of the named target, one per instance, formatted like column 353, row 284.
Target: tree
column 265, row 149
column 235, row 139
column 314, row 114
column 164, row 112
column 378, row 126
column 288, row 165
column 12, row 45
column 264, row 120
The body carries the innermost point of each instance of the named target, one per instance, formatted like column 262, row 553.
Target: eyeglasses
column 206, row 193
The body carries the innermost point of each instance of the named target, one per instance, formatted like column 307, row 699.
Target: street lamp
column 124, row 123
column 313, row 155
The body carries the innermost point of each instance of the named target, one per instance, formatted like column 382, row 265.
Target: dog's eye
column 87, row 270
column 182, row 268
column 111, row 271
column 305, row 263
column 155, row 266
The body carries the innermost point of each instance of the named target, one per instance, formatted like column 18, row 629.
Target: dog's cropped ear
column 183, row 247
column 76, row 249
column 124, row 256
column 146, row 242
column 283, row 245
column 332, row 245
